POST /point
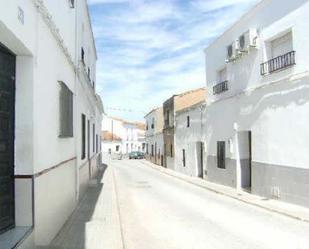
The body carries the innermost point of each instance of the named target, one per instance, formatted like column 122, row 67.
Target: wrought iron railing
column 279, row 63
column 221, row 87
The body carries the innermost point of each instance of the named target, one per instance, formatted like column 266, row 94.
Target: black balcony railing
column 221, row 87
column 279, row 63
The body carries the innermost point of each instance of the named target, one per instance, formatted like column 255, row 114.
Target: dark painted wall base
column 288, row 184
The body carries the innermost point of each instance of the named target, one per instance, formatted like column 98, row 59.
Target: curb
column 273, row 210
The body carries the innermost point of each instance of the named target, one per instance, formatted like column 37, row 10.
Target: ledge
column 12, row 238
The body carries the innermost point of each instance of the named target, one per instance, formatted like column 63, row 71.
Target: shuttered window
column 83, row 155
column 97, row 143
column 93, row 137
column 221, row 154
column 282, row 45
column 66, row 111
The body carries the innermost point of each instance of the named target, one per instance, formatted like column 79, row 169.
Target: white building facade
column 189, row 140
column 124, row 137
column 50, row 116
column 154, row 136
column 257, row 103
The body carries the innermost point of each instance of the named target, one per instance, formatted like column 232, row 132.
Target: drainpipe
column 237, row 156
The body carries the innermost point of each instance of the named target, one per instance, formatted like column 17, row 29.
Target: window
column 71, row 3
column 97, row 143
column 66, row 111
column 221, row 154
column 152, row 124
column 167, row 118
column 152, row 150
column 171, row 150
column 222, row 75
column 83, row 155
column 147, row 126
column 88, row 73
column 282, row 55
column 282, row 45
column 83, row 55
column 117, row 148
column 188, row 121
column 109, row 151
column 93, row 137
column 147, row 149
column 184, row 158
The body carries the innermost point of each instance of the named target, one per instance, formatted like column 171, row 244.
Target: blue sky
column 149, row 50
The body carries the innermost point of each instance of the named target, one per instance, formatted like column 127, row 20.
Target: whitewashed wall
column 187, row 137
column 47, row 53
column 273, row 107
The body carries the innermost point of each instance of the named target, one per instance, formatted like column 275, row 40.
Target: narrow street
column 159, row 211
column 137, row 207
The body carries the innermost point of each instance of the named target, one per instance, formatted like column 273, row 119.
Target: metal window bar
column 221, row 87
column 279, row 63
column 66, row 111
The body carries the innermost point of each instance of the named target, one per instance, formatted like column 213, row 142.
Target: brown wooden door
column 7, row 113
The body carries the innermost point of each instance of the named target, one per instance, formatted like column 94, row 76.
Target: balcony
column 279, row 63
column 221, row 87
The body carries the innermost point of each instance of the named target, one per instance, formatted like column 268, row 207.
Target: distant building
column 154, row 136
column 50, row 117
column 120, row 137
column 258, row 103
column 170, row 107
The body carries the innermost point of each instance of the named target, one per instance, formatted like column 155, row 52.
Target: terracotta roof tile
column 108, row 136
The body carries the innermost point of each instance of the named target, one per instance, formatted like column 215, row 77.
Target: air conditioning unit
column 232, row 51
column 247, row 40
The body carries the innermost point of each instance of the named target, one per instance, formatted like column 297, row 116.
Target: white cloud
column 92, row 2
column 150, row 50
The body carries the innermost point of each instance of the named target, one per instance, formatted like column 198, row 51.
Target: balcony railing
column 221, row 87
column 279, row 63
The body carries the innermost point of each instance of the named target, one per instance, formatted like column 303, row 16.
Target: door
column 245, row 157
column 200, row 158
column 7, row 113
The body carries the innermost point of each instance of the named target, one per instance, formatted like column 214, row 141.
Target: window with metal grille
column 167, row 118
column 66, row 111
column 83, row 155
column 221, row 154
column 93, row 138
column 97, row 143
column 188, row 121
column 83, row 55
column 184, row 157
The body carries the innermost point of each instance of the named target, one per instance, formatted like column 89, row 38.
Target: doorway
column 200, row 158
column 245, row 156
column 7, row 126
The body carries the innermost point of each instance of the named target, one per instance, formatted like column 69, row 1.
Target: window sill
column 13, row 237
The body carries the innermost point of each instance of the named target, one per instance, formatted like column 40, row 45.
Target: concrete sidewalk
column 290, row 210
column 95, row 222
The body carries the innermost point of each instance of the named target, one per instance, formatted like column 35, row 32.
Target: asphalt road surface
column 158, row 211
